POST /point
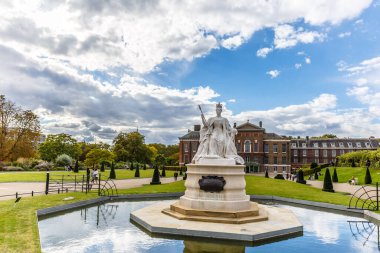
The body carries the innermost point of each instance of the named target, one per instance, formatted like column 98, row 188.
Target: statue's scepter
column 202, row 116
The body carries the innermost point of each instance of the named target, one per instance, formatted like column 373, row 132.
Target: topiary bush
column 112, row 172
column 163, row 173
column 279, row 176
column 76, row 167
column 137, row 172
column 63, row 160
column 335, row 176
column 327, row 183
column 266, row 174
column 368, row 178
column 156, row 176
column 316, row 175
column 300, row 178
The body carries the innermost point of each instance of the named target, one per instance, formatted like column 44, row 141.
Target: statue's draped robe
column 217, row 139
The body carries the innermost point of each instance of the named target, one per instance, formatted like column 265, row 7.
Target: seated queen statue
column 217, row 139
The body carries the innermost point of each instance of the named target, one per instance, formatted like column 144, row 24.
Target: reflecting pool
column 107, row 228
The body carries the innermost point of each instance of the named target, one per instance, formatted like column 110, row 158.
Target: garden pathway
column 339, row 187
column 28, row 187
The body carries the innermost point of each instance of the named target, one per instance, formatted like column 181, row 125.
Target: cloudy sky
column 94, row 68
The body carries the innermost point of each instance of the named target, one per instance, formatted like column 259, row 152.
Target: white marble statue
column 217, row 139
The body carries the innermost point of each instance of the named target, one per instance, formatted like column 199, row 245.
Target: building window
column 265, row 160
column 266, row 148
column 332, row 144
column 247, row 146
column 367, row 145
column 256, row 147
column 324, row 153
column 333, row 153
column 238, row 147
column 358, row 144
column 275, row 169
column 275, row 148
column 284, row 160
column 275, row 160
column 295, row 159
column 283, row 169
column 247, row 159
column 350, row 144
column 316, row 145
column 186, row 147
column 304, row 145
column 316, row 152
column 342, row 151
column 283, row 148
column 304, row 152
column 194, row 146
column 341, row 144
column 294, row 145
column 186, row 159
column 325, row 161
column 324, row 144
column 304, row 160
column 295, row 152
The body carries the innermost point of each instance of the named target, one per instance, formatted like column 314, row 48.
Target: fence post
column 82, row 182
column 87, row 180
column 377, row 196
column 47, row 183
column 100, row 175
column 32, row 193
column 16, row 195
column 75, row 183
column 62, row 184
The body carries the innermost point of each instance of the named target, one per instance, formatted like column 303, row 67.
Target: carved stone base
column 253, row 214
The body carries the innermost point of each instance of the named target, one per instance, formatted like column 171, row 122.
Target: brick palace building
column 262, row 150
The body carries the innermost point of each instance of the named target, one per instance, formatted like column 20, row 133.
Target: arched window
column 247, row 146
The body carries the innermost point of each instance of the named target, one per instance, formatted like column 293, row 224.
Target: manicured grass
column 18, row 224
column 41, row 176
column 346, row 173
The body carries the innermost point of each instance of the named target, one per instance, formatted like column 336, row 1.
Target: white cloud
column 232, row 100
column 233, row 42
column 263, row 52
column 273, row 73
column 307, row 60
column 286, row 36
column 344, row 34
column 298, row 65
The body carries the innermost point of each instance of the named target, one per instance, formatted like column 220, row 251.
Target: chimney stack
column 260, row 124
column 234, row 124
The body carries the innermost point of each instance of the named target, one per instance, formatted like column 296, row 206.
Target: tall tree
column 131, row 147
column 19, row 131
column 99, row 156
column 57, row 144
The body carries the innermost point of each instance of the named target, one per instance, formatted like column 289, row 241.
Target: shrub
column 120, row 165
column 327, row 183
column 313, row 165
column 112, row 172
column 137, row 172
column 335, row 176
column 163, row 173
column 368, row 178
column 43, row 166
column 279, row 176
column 316, row 175
column 63, row 160
column 12, row 168
column 156, row 176
column 300, row 178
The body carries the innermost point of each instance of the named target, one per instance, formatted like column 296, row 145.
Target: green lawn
column 41, row 176
column 18, row 225
column 346, row 173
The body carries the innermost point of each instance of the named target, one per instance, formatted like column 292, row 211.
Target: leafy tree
column 325, row 136
column 160, row 160
column 156, row 176
column 112, row 172
column 327, row 184
column 57, row 144
column 63, row 160
column 87, row 147
column 368, row 178
column 99, row 156
column 19, row 131
column 335, row 176
column 131, row 147
column 313, row 165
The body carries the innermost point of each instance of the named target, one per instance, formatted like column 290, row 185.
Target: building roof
column 374, row 143
column 192, row 135
column 245, row 127
column 273, row 136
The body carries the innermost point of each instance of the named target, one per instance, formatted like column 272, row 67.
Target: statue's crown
column 219, row 105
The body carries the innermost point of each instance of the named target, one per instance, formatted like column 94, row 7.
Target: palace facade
column 269, row 151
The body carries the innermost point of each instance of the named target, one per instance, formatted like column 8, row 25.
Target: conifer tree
column 327, row 183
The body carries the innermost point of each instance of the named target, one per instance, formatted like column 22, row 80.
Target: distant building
column 268, row 151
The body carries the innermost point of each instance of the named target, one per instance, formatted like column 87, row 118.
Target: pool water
column 107, row 228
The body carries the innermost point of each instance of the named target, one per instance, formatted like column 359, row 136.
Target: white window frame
column 186, row 147
column 332, row 144
column 249, row 143
column 324, row 144
column 304, row 145
column 294, row 145
column 316, row 152
column 304, row 152
column 333, row 153
column 295, row 152
column 367, row 145
column 325, row 153
column 341, row 144
column 350, row 144
column 359, row 144
column 315, row 145
column 276, row 148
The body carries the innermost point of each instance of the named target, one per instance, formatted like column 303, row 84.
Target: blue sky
column 93, row 69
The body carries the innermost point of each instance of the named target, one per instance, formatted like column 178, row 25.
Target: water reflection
column 104, row 212
column 192, row 246
column 365, row 232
